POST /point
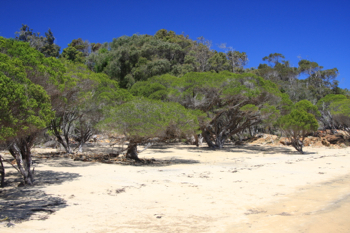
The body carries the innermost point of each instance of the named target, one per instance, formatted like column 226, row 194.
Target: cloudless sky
column 309, row 29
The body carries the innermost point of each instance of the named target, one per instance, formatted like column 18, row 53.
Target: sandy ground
column 247, row 188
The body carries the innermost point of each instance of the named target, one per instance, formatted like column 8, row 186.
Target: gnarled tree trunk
column 2, row 173
column 132, row 151
column 298, row 144
column 21, row 151
column 64, row 125
column 206, row 136
column 220, row 140
column 64, row 143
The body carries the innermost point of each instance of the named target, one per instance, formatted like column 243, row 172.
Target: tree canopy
column 232, row 102
column 140, row 57
column 144, row 120
column 45, row 44
column 175, row 80
column 28, row 109
column 299, row 123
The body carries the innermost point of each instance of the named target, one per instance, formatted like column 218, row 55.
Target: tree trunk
column 85, row 136
column 220, row 141
column 2, row 173
column 65, row 144
column 23, row 157
column 206, row 136
column 28, row 167
column 298, row 144
column 80, row 147
column 64, row 126
column 199, row 139
column 132, row 151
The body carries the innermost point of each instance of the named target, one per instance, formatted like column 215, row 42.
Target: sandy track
column 239, row 189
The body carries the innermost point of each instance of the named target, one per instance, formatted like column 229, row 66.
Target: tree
column 78, row 50
column 45, row 44
column 341, row 111
column 81, row 46
column 27, row 35
column 50, row 49
column 24, row 108
column 219, row 62
column 232, row 102
column 335, row 110
column 236, row 59
column 274, row 58
column 129, row 60
column 202, row 53
column 324, row 106
column 39, row 75
column 95, row 47
column 317, row 84
column 148, row 121
column 72, row 54
column 299, row 123
column 84, row 100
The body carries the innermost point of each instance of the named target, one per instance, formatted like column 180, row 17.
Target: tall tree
column 50, row 49
column 237, row 60
column 274, row 58
column 45, row 44
column 29, row 67
column 335, row 112
column 324, row 106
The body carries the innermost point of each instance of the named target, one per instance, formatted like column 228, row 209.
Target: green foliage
column 90, row 89
column 308, row 67
column 237, row 60
column 338, row 109
column 78, row 50
column 327, row 106
column 72, row 54
column 46, row 72
column 274, row 58
column 45, row 44
column 129, row 60
column 249, row 108
column 299, row 122
column 341, row 107
column 219, row 62
column 50, row 49
column 308, row 107
column 231, row 101
column 142, row 119
column 82, row 46
column 24, row 106
column 329, row 99
column 317, row 84
column 155, row 88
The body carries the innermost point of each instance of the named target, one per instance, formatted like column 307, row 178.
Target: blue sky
column 315, row 30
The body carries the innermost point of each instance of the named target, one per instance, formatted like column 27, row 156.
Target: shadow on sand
column 169, row 162
column 24, row 203
column 230, row 148
column 61, row 162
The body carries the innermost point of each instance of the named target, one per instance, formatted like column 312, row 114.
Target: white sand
column 239, row 189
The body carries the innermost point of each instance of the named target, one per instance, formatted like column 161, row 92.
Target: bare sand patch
column 247, row 188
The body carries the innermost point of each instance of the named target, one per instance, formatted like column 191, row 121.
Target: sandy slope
column 239, row 189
